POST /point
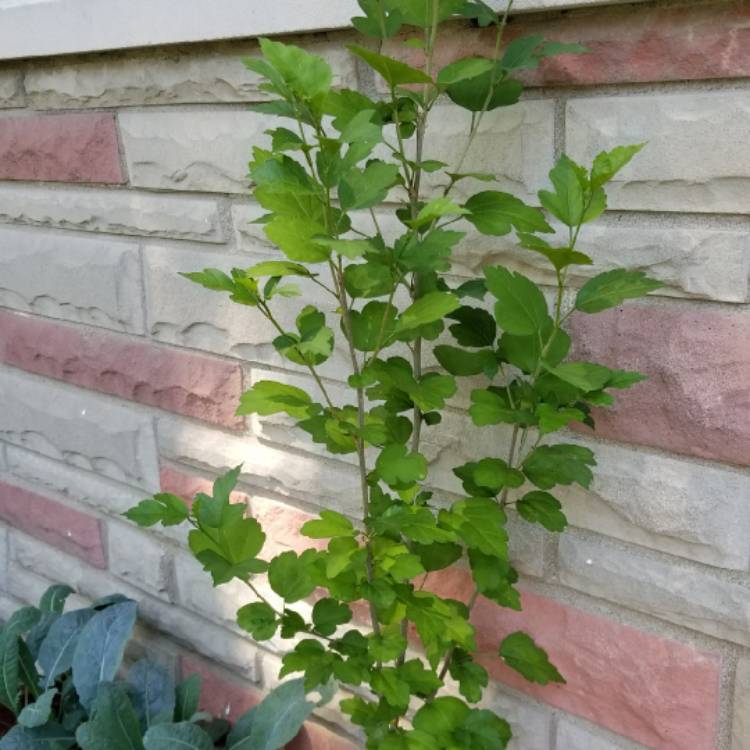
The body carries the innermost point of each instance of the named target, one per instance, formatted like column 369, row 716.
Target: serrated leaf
column 328, row 614
column 308, row 76
column 164, row 508
column 519, row 652
column 373, row 325
column 475, row 326
column 543, row 508
column 258, row 619
column 295, row 237
column 549, row 465
column 269, row 397
column 489, row 407
column 394, row 72
column 99, row 651
column 331, row 524
column 211, row 278
column 399, row 468
column 520, row 308
column 568, row 202
column 552, row 419
column 364, row 188
column 433, row 306
column 612, row 288
column 496, row 213
column 608, row 163
column 289, row 576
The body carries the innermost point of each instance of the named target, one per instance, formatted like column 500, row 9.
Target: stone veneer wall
column 118, row 377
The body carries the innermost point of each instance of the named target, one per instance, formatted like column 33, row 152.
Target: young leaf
column 521, row 308
column 163, row 508
column 543, row 508
column 393, row 71
column 519, row 652
column 331, row 524
column 269, row 397
column 211, row 278
column 525, row 53
column 612, row 288
column 306, row 75
column 276, row 268
column 567, row 203
column 608, row 163
column 289, row 576
column 433, row 306
column 258, row 619
column 552, row 419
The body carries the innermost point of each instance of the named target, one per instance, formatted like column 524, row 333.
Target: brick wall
column 118, row 377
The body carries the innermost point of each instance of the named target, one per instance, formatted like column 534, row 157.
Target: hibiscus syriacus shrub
column 337, row 174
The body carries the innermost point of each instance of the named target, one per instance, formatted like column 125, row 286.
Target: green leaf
column 38, row 713
column 435, row 209
column 525, row 53
column 483, row 729
column 351, row 249
column 486, row 91
column 560, row 257
column 113, row 724
column 211, row 278
column 480, row 522
column 422, row 681
column 549, row 465
column 433, row 306
column 552, row 419
column 441, row 717
column 172, row 736
column 386, row 682
column 463, row 363
column 612, row 288
column 373, row 325
column 489, row 407
column 258, row 619
column 521, row 308
column 364, row 188
column 584, row 375
column 295, row 237
column 608, row 163
column 423, row 13
column 276, row 268
column 471, row 677
column 379, row 22
column 56, row 652
column 54, row 598
column 275, row 722
column 19, row 622
column 393, row 71
column 328, row 614
column 269, row 397
column 475, row 327
column 163, row 508
column 306, row 75
column 520, row 652
column 494, row 578
column 152, row 692
column 289, row 576
column 495, row 474
column 543, row 508
column 370, row 279
column 496, row 213
column 413, row 522
column 469, row 67
column 429, row 252
column 525, row 352
column 567, row 203
column 331, row 524
column 187, row 697
column 100, row 648
column 400, row 469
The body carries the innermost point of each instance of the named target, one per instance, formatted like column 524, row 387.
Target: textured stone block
column 112, row 211
column 167, row 75
column 530, row 722
column 574, row 736
column 11, row 93
column 692, row 510
column 191, row 384
column 78, row 427
column 60, row 148
column 206, row 151
column 741, row 723
column 326, row 483
column 140, row 558
column 53, row 523
column 684, row 167
column 663, row 587
column 515, row 143
column 654, row 43
column 697, row 398
column 86, row 280
column 690, row 261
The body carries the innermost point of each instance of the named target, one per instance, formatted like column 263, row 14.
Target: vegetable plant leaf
column 113, row 724
column 184, row 735
column 152, row 692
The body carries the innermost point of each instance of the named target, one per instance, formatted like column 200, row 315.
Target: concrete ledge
column 37, row 28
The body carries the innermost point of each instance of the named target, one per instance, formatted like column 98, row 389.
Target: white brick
column 574, row 736
column 113, row 211
column 183, row 313
column 207, row 151
column 31, row 559
column 11, row 93
column 741, row 723
column 529, row 721
column 326, row 483
column 139, row 558
column 691, row 262
column 170, row 75
column 3, row 558
column 696, row 158
column 663, row 587
column 514, row 143
column 669, row 504
column 91, row 280
column 78, row 427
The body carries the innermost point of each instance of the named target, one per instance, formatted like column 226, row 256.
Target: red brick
column 60, row 148
column 192, row 384
column 625, row 45
column 224, row 698
column 658, row 692
column 697, row 398
column 53, row 523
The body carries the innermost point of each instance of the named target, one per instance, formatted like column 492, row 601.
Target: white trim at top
column 36, row 28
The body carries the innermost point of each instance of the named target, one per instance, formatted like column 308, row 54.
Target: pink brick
column 697, row 398
column 198, row 386
column 655, row 691
column 626, row 45
column 60, row 148
column 224, row 698
column 53, row 523
column 187, row 486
